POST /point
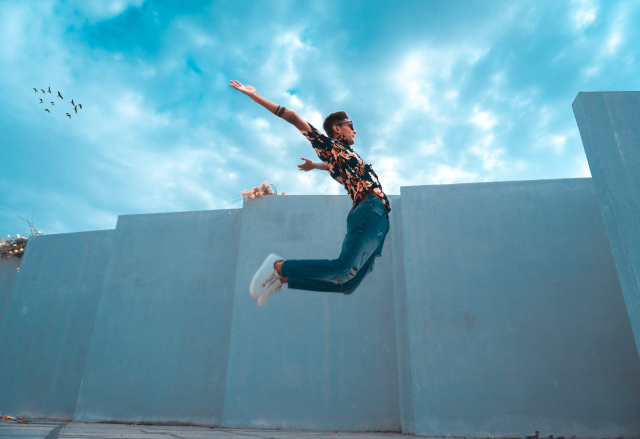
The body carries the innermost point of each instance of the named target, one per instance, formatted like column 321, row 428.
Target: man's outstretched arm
column 288, row 115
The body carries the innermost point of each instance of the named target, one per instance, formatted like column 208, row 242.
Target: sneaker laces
column 272, row 280
column 272, row 277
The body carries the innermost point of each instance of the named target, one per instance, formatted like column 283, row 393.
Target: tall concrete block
column 159, row 346
column 48, row 323
column 609, row 125
column 516, row 317
column 8, row 275
column 308, row 359
column 405, row 394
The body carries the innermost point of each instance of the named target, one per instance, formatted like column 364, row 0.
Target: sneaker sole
column 272, row 258
column 262, row 299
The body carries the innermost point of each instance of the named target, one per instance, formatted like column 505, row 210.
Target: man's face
column 345, row 128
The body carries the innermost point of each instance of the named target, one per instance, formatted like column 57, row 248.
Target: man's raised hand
column 246, row 89
column 308, row 165
column 280, row 111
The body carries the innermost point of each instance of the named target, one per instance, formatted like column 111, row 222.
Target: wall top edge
column 180, row 212
column 605, row 93
column 506, row 182
column 72, row 233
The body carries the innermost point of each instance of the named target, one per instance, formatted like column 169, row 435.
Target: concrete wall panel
column 159, row 348
column 48, row 323
column 610, row 128
column 516, row 318
column 405, row 395
column 308, row 359
column 8, row 275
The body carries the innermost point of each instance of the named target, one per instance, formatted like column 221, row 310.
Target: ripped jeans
column 367, row 227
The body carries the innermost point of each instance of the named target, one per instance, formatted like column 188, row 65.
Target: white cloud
column 583, row 168
column 613, row 42
column 584, row 14
column 281, row 64
column 430, row 148
column 261, row 123
column 591, row 71
column 484, row 119
column 194, row 34
column 420, row 71
column 104, row 9
column 489, row 155
column 558, row 143
column 392, row 173
column 13, row 22
column 315, row 118
column 445, row 174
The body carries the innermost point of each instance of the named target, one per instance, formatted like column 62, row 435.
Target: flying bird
column 52, row 103
column 60, row 95
column 72, row 102
column 49, row 89
column 69, row 115
column 42, row 91
column 36, row 90
column 41, row 101
column 80, row 105
column 76, row 108
column 47, row 110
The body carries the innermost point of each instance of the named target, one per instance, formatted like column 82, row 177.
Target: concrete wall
column 495, row 311
column 405, row 393
column 8, row 275
column 48, row 323
column 610, row 129
column 309, row 359
column 161, row 337
column 516, row 318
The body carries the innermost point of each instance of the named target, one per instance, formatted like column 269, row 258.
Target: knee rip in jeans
column 351, row 273
column 373, row 263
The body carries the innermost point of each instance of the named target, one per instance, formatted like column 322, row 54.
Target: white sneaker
column 274, row 286
column 264, row 276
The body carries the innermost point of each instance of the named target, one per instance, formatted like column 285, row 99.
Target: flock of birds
column 75, row 107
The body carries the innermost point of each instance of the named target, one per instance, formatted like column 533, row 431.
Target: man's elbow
column 295, row 120
column 291, row 117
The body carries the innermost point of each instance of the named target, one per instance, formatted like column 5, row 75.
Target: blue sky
column 439, row 92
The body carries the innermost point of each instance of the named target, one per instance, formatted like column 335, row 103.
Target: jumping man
column 367, row 222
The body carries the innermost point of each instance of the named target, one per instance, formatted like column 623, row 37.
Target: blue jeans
column 367, row 227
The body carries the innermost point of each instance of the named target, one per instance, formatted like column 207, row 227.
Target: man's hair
column 331, row 120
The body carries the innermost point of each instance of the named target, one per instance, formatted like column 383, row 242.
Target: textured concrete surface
column 310, row 359
column 8, row 276
column 609, row 125
column 495, row 310
column 405, row 394
column 161, row 337
column 48, row 323
column 85, row 430
column 516, row 318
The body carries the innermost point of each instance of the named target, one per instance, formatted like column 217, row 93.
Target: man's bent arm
column 288, row 115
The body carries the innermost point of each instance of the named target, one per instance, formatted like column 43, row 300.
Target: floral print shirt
column 346, row 167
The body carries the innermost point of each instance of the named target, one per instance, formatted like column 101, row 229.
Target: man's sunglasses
column 349, row 122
